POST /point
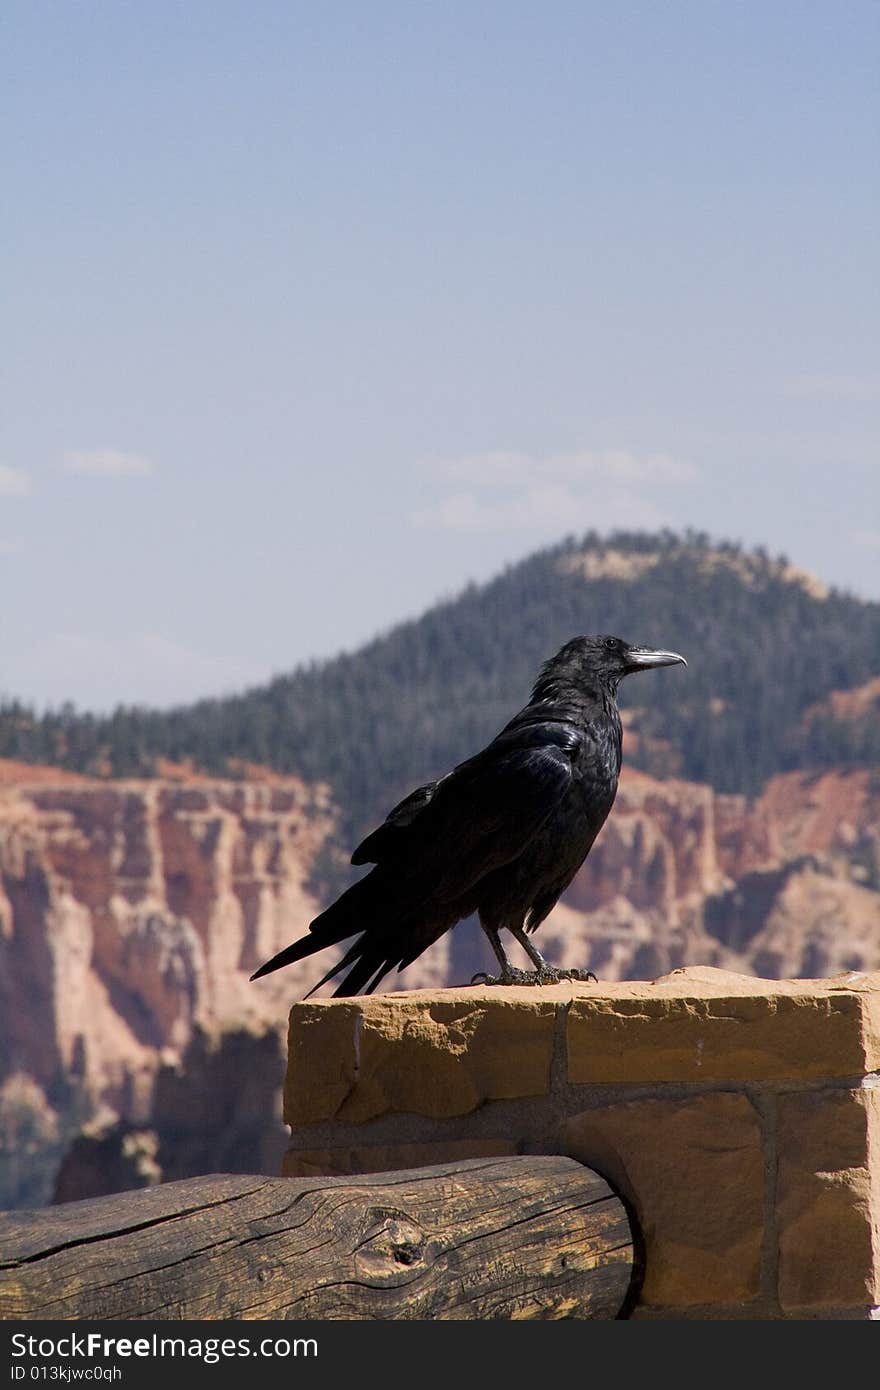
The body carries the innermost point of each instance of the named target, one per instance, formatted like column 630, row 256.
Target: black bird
column 501, row 835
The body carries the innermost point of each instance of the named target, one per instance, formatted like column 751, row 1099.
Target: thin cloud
column 547, row 511
column 13, row 482
column 497, row 467
column 834, row 388
column 107, row 463
column 515, row 491
column 869, row 537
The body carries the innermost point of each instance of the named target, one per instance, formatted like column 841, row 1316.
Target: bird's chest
column 560, row 847
column 596, row 769
column 589, row 802
column 590, row 797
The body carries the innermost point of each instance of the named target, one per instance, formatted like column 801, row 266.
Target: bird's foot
column 507, row 977
column 545, row 975
column 551, row 975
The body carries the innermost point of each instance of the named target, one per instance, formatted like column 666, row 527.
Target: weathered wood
column 528, row 1237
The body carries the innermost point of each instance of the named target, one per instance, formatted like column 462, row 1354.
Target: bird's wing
column 372, row 849
column 434, row 846
column 448, row 835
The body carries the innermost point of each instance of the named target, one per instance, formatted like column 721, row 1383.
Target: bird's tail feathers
column 384, row 938
column 349, row 914
column 369, row 967
column 350, row 956
column 373, row 955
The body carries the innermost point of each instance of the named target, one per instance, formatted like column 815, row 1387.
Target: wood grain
column 526, row 1237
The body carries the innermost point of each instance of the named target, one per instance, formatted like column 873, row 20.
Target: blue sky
column 316, row 312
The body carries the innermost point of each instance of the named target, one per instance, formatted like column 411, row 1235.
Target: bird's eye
column 610, row 643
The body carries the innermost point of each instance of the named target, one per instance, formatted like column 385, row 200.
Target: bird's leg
column 509, row 974
column 531, row 950
column 545, row 973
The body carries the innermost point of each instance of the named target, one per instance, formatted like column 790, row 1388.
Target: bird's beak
column 643, row 658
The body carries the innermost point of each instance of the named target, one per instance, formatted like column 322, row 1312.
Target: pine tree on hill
column 764, row 644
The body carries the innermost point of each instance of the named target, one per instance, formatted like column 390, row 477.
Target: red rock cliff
column 133, row 913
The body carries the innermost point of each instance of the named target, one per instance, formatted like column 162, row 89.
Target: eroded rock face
column 131, row 917
column 215, row 1107
column 133, row 913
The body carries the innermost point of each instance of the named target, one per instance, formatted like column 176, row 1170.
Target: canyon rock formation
column 132, row 914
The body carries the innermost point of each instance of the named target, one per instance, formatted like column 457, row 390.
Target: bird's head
column 586, row 661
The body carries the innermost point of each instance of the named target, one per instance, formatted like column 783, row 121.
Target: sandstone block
column 693, row 1170
column 711, row 1025
column 420, row 1053
column 829, row 1199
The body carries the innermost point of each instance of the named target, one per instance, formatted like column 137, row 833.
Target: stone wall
column 740, row 1117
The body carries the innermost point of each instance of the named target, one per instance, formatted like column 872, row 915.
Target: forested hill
column 764, row 642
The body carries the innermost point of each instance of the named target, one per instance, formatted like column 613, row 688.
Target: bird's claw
column 551, row 975
column 508, row 977
column 546, row 975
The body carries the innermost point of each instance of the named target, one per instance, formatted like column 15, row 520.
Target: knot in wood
column 393, row 1242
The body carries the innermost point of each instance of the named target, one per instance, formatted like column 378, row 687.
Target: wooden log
column 527, row 1237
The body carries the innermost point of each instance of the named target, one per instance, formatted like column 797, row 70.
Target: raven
column 502, row 834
